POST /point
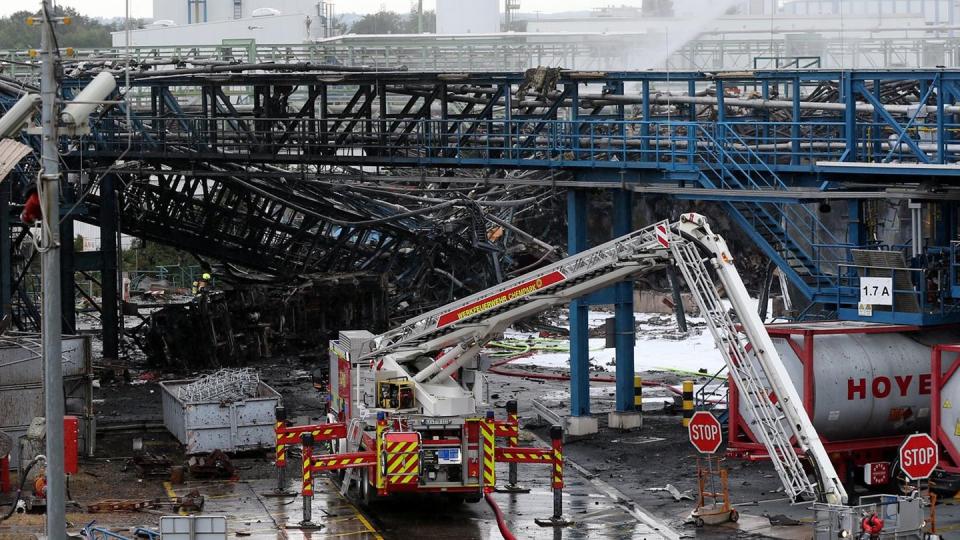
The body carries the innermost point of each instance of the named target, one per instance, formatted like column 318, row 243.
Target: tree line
column 87, row 32
column 82, row 32
column 391, row 22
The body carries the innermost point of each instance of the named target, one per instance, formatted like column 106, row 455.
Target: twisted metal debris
column 225, row 385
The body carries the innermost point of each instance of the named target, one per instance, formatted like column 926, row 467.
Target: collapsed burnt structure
column 245, row 323
column 305, row 248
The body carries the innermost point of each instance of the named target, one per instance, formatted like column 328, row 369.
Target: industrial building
column 680, row 269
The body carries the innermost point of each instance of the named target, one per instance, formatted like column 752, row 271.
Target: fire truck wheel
column 473, row 498
column 366, row 490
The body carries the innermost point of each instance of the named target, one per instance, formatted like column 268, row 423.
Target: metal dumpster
column 211, row 424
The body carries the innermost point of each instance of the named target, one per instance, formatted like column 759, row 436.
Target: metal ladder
column 575, row 268
column 751, row 381
column 354, row 434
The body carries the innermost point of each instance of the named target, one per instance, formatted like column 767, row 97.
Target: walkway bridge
column 761, row 142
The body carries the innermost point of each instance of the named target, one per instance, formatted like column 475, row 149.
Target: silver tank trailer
column 866, row 385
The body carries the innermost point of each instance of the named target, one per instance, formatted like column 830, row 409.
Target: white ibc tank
column 473, row 17
column 866, row 385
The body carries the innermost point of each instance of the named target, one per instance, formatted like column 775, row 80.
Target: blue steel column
column 110, row 303
column 795, row 126
column 941, row 121
column 624, row 324
column 579, row 331
column 848, row 98
column 68, row 307
column 855, row 232
column 875, row 125
column 645, row 126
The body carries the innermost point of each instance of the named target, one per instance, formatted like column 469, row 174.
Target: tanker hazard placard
column 490, row 302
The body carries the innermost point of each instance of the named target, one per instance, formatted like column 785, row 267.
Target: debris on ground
column 225, row 386
column 674, row 492
column 150, row 465
column 216, row 464
column 191, row 502
column 119, row 505
column 782, row 520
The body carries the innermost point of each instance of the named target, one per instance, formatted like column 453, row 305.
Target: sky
column 144, row 8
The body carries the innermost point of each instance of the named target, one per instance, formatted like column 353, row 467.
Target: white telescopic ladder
column 592, row 264
column 754, row 365
column 752, row 360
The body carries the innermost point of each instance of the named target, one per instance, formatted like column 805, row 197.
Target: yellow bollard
column 687, row 402
column 637, row 393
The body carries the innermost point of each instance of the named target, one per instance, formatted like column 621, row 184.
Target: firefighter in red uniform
column 31, row 209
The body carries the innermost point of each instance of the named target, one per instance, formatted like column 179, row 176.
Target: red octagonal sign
column 919, row 456
column 705, row 432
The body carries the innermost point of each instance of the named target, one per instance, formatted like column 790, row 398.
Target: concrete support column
column 580, row 421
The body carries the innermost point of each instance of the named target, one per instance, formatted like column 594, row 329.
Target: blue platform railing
column 718, row 153
column 932, row 302
column 745, row 157
column 527, row 143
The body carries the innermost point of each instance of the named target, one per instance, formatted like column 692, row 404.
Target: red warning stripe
column 505, row 429
column 662, row 236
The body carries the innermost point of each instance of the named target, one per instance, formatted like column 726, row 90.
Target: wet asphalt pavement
column 615, row 490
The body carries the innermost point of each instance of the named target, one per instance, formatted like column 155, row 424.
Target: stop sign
column 705, row 432
column 919, row 456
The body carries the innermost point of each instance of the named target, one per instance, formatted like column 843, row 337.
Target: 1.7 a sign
column 876, row 291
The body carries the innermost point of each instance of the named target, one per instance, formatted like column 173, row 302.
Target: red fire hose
column 504, row 530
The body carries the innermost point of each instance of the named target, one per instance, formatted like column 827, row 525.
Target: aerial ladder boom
column 464, row 326
column 753, row 362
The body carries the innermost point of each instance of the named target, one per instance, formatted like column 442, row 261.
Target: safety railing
column 369, row 52
column 928, row 300
column 791, row 144
column 714, row 395
column 954, row 253
column 476, row 141
column 759, row 147
column 179, row 277
column 897, row 517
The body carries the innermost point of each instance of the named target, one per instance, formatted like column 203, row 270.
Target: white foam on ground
column 691, row 354
column 652, row 352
